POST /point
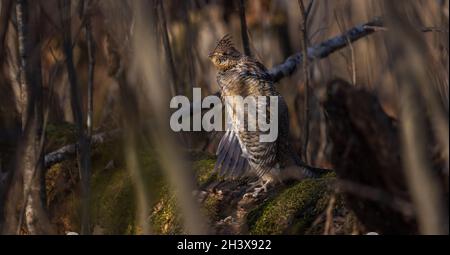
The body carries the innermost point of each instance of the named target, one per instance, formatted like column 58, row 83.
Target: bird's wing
column 240, row 152
column 263, row 156
column 231, row 158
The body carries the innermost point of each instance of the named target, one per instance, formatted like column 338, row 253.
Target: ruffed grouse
column 240, row 151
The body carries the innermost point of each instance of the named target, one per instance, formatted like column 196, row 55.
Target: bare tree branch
column 324, row 49
column 69, row 151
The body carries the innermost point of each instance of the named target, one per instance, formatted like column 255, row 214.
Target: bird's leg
column 255, row 184
column 259, row 186
column 263, row 188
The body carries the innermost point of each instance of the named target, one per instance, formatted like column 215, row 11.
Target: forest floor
column 307, row 207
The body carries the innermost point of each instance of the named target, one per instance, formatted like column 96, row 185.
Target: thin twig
column 304, row 47
column 352, row 51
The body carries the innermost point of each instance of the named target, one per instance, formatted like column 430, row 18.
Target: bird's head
column 225, row 55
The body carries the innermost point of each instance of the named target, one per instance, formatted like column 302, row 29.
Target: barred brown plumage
column 240, row 151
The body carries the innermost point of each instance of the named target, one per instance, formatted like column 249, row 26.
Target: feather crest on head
column 225, row 55
column 224, row 43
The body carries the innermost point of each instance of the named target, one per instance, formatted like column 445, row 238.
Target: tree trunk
column 30, row 154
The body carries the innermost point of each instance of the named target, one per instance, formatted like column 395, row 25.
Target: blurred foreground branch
column 419, row 112
column 148, row 71
column 76, row 99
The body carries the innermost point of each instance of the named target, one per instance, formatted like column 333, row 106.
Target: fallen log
column 366, row 151
column 366, row 155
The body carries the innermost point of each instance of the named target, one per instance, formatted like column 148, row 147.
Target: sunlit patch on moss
column 210, row 207
column 62, row 195
column 291, row 211
column 165, row 218
column 203, row 169
column 112, row 203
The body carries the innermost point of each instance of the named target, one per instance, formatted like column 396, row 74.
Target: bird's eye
column 222, row 59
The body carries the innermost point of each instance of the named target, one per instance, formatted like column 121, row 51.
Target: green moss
column 211, row 208
column 165, row 218
column 62, row 196
column 113, row 198
column 203, row 169
column 113, row 203
column 291, row 211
